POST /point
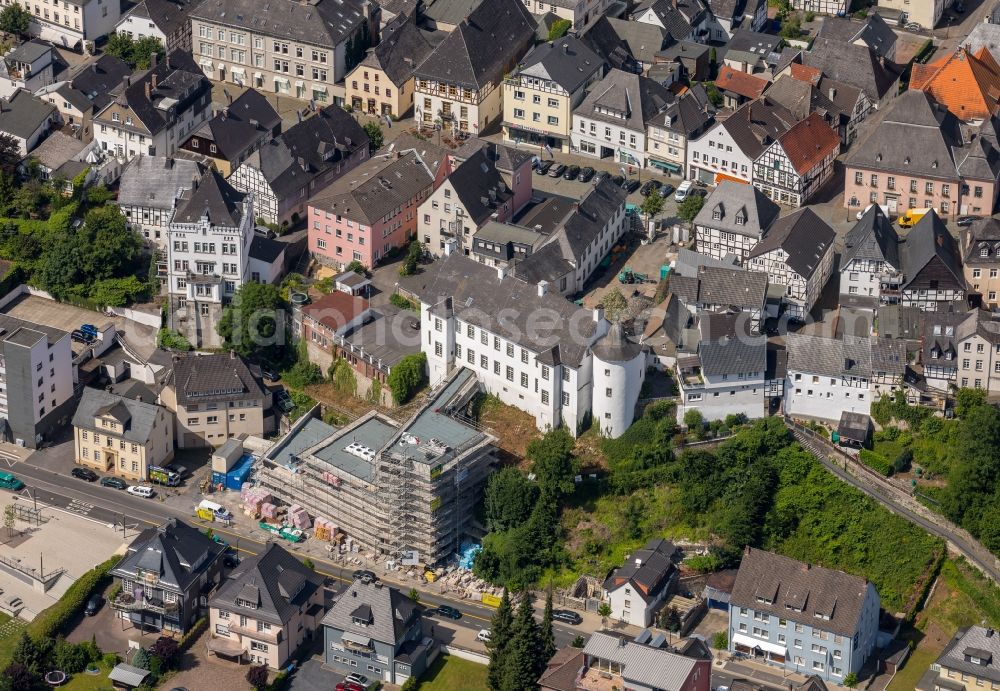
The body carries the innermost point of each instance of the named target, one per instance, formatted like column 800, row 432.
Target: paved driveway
column 312, row 677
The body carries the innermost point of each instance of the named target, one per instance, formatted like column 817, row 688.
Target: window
column 510, row 373
column 524, row 380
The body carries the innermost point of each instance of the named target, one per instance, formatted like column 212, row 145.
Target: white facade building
column 732, row 221
column 619, row 371
column 870, row 268
column 726, row 377
column 74, row 22
column 636, row 590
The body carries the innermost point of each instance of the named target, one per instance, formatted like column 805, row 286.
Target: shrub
column 406, row 377
column 810, row 16
column 876, row 462
column 51, row 621
column 413, row 254
column 168, row 338
column 720, row 641
column 70, row 658
column 342, row 375
column 903, row 461
column 403, row 303
column 705, row 563
column 257, row 677
column 188, row 639
column 166, row 650
column 110, row 659
column 559, row 28
column 302, row 374
column 141, row 659
column 309, row 564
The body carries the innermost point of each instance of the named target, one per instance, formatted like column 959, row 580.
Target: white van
column 140, row 491
column 683, row 191
column 219, row 512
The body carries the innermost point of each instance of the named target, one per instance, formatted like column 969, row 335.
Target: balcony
column 275, row 635
column 129, row 603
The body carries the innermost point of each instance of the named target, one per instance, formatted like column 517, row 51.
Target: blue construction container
column 239, row 473
column 218, row 479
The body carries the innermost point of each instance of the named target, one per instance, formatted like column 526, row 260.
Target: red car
column 349, row 686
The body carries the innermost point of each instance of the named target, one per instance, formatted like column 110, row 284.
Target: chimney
column 154, row 79
column 128, row 80
column 254, row 123
column 149, row 93
column 543, row 288
column 153, row 57
column 170, row 162
column 638, row 562
column 232, row 354
column 598, row 313
column 832, row 93
column 501, row 273
column 565, row 48
column 989, row 633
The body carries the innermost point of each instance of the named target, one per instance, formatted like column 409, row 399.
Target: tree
column 406, row 377
column 17, row 677
column 9, row 519
column 578, row 642
column 14, row 19
column 604, row 610
column 615, row 304
column 309, row 564
column 720, row 641
column 694, row 421
column 10, row 151
column 110, row 248
column 357, row 267
column 851, row 680
column 652, row 204
column 166, row 649
column 501, row 629
column 30, row 654
column 254, row 322
column 967, row 399
column 257, row 677
column 713, row 93
column 410, row 684
column 375, row 136
column 791, row 28
column 690, row 207
column 413, row 254
column 523, row 664
column 143, row 50
column 547, row 636
column 141, row 659
column 414, row 595
column 670, row 619
column 559, row 29
column 553, row 462
column 712, row 57
column 509, row 497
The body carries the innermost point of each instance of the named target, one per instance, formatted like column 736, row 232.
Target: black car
column 449, row 612
column 557, row 170
column 700, row 191
column 93, row 604
column 600, row 175
column 230, row 561
column 114, row 482
column 618, row 180
column 666, row 190
column 567, row 616
column 81, row 337
column 269, row 373
column 649, row 187
column 586, row 174
column 571, row 172
column 631, row 185
column 543, row 167
column 84, row 474
column 365, row 576
column 964, row 221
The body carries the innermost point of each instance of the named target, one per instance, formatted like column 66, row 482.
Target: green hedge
column 51, row 621
column 188, row 639
column 876, row 462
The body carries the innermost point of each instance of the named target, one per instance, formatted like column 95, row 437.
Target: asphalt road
column 117, row 508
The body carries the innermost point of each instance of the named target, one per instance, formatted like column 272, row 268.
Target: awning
column 229, row 647
column 666, row 165
column 207, row 64
column 356, row 638
column 128, row 675
column 740, row 639
column 719, row 177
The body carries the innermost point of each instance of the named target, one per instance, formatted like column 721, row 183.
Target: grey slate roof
column 647, row 569
column 654, row 668
column 176, row 551
column 934, row 136
column 505, row 26
column 804, row 237
column 266, row 249
column 588, row 219
column 548, row 263
column 372, row 190
column 857, row 65
column 731, row 356
column 644, row 40
column 754, row 42
column 241, row 125
column 308, row 149
column 802, row 98
column 478, row 298
column 274, row 580
column 178, row 79
column 689, row 115
column 57, row 149
column 639, row 100
column 402, row 48
column 928, row 239
column 818, row 591
column 731, row 199
column 324, row 23
column 568, row 62
column 392, row 613
column 873, row 238
column 449, row 11
column 615, row 346
column 832, row 357
column 980, row 159
column 474, row 181
column 731, row 287
column 677, row 17
column 872, row 30
column 983, row 232
column 212, row 197
column 28, row 52
column 138, row 419
column 984, row 35
column 213, row 378
column 23, row 113
column 757, row 124
column 506, row 159
column 93, row 83
column 974, row 641
column 600, row 36
column 156, row 181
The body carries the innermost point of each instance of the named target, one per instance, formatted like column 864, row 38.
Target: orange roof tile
column 809, row 142
column 804, row 73
column 740, row 83
column 967, row 84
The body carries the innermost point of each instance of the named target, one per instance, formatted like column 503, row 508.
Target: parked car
column 483, row 636
column 449, row 612
column 81, row 337
column 571, row 173
column 365, row 576
column 913, row 26
column 359, row 679
column 269, row 373
column 113, row 482
column 265, row 232
column 649, row 187
column 666, row 190
column 543, row 167
column 683, row 191
column 700, row 191
column 230, row 561
column 93, row 604
column 618, row 180
column 964, row 221
column 630, row 185
column 600, row 175
column 567, row 616
column 84, row 474
column 140, row 491
column 586, row 174
column 557, row 170
column 349, row 686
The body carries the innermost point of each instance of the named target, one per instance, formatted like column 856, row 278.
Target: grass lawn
column 10, row 633
column 453, row 674
column 90, row 682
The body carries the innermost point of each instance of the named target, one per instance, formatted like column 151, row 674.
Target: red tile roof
column 803, row 73
column 740, row 83
column 807, row 143
column 966, row 84
column 336, row 310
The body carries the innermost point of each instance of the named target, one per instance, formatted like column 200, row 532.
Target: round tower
column 619, row 370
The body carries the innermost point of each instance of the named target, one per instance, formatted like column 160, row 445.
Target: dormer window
column 984, row 252
column 949, row 331
column 741, row 219
column 716, row 215
column 937, row 329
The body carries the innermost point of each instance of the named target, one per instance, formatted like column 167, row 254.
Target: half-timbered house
column 792, row 169
column 732, row 220
column 932, row 265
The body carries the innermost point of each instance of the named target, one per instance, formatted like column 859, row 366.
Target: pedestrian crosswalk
column 81, row 508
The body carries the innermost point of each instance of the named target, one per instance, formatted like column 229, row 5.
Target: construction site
column 404, row 491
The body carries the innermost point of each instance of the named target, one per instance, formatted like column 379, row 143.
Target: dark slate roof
column 873, row 238
column 324, row 23
column 546, row 264
column 857, row 65
column 983, row 232
column 639, row 99
column 506, row 159
column 930, row 238
column 873, row 30
column 308, row 149
column 178, row 79
column 644, row 40
column 588, row 219
column 601, row 37
column 28, row 52
column 505, row 26
column 677, row 17
column 832, row 357
column 934, row 136
column 757, row 124
column 167, row 15
column 819, row 592
column 805, row 238
column 403, row 47
column 24, row 113
column 733, row 356
column 177, row 552
column 754, row 42
column 479, row 297
column 615, row 346
column 731, row 287
column 976, row 641
column 980, row 159
column 96, row 79
column 731, row 199
column 214, row 378
column 156, row 181
column 689, row 115
column 138, row 419
column 568, row 62
column 372, row 190
column 274, row 580
column 802, row 98
column 241, row 125
column 648, row 569
column 449, row 11
column 474, row 181
column 392, row 613
column 266, row 249
column 212, row 197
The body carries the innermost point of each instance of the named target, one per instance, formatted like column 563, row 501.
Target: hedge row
column 876, row 462
column 188, row 639
column 50, row 622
